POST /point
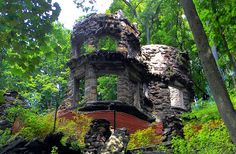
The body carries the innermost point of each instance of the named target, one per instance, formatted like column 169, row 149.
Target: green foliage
column 54, row 150
column 104, row 43
column 142, row 138
column 5, row 135
column 33, row 125
column 219, row 24
column 211, row 137
column 107, row 87
column 23, row 28
column 232, row 94
column 74, row 130
column 1, row 96
column 203, row 111
column 107, row 43
column 45, row 85
column 205, row 132
column 87, row 49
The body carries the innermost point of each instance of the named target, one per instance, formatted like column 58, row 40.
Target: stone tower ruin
column 153, row 83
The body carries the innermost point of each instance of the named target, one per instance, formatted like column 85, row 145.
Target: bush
column 211, row 137
column 74, row 130
column 5, row 135
column 142, row 138
column 33, row 125
column 205, row 132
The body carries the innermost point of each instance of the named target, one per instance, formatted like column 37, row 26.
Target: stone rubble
column 96, row 137
column 117, row 142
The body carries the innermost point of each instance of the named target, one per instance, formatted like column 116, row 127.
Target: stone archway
column 99, row 25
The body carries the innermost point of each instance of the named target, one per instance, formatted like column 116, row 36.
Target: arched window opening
column 107, row 43
column 87, row 48
column 107, row 87
column 104, row 43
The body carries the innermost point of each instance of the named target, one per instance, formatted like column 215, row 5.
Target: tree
column 213, row 76
column 219, row 25
column 144, row 12
column 168, row 26
column 23, row 26
column 47, row 83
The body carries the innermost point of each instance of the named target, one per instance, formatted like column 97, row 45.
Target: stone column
column 137, row 96
column 69, row 102
column 76, row 91
column 96, row 137
column 90, row 84
column 123, row 88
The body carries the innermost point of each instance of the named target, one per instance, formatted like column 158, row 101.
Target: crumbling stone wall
column 171, row 66
column 159, row 95
column 114, row 25
column 155, row 78
column 100, row 139
column 129, row 71
column 89, row 31
column 170, row 88
column 117, row 142
column 98, row 134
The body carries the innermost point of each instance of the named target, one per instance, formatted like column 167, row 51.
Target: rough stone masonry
column 153, row 80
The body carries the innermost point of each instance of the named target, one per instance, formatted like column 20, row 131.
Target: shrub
column 34, row 125
column 204, row 133
column 212, row 137
column 142, row 138
column 75, row 129
column 31, row 124
column 5, row 135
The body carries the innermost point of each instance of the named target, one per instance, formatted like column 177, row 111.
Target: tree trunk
column 213, row 76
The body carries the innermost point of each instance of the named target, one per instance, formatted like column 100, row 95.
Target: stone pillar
column 75, row 91
column 159, row 94
column 90, row 84
column 96, row 137
column 137, row 96
column 68, row 102
column 123, row 88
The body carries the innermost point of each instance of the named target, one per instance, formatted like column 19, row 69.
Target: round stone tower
column 153, row 82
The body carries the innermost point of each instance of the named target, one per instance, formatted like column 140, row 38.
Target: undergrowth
column 143, row 138
column 204, row 131
column 29, row 124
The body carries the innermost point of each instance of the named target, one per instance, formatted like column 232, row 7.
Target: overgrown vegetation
column 35, row 48
column 29, row 124
column 204, row 131
column 145, row 137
